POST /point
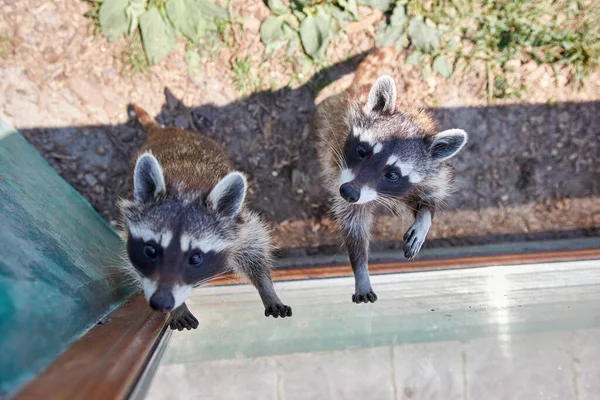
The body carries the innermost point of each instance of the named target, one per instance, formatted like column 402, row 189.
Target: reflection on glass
column 518, row 332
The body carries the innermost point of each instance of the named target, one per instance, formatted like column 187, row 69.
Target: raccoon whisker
column 385, row 203
column 203, row 281
column 337, row 155
column 405, row 204
column 336, row 151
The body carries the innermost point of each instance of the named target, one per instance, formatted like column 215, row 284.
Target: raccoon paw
column 183, row 320
column 278, row 310
column 368, row 297
column 413, row 241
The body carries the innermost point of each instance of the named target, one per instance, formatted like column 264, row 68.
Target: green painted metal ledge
column 59, row 263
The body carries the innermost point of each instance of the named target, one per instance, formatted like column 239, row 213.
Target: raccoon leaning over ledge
column 374, row 155
column 187, row 222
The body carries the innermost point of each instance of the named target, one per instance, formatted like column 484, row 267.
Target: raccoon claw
column 183, row 320
column 369, row 297
column 278, row 310
column 412, row 243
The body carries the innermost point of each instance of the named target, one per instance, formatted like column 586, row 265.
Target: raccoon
column 188, row 223
column 373, row 155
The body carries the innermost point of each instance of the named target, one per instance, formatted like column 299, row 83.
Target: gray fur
column 400, row 141
column 416, row 234
column 228, row 195
column 447, row 144
column 148, row 178
column 252, row 256
column 220, row 221
column 355, row 223
column 382, row 97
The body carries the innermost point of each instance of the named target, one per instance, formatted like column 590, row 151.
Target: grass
column 7, row 46
column 245, row 81
column 93, row 14
column 501, row 34
column 134, row 57
column 564, row 34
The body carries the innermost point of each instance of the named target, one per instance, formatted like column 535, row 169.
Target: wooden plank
column 106, row 361
column 337, row 271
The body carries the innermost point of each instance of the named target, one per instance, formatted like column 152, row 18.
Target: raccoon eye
column 150, row 251
column 196, row 258
column 392, row 176
column 361, row 151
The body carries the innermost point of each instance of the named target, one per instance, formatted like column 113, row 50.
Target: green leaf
column 210, row 9
column 351, row 6
column 292, row 46
column 383, row 5
column 315, row 34
column 442, row 66
column 340, row 15
column 423, row 34
column 113, row 20
column 402, row 42
column 461, row 64
column 271, row 30
column 271, row 48
column 300, row 16
column 133, row 12
column 414, row 58
column 394, row 32
column 277, row 7
column 193, row 62
column 294, row 40
column 276, row 32
column 426, row 72
column 157, row 34
column 185, row 16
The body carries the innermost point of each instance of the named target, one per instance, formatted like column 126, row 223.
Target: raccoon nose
column 162, row 301
column 349, row 193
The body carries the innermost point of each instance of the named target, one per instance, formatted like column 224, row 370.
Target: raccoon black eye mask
column 188, row 223
column 375, row 155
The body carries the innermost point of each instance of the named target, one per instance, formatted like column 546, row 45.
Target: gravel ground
column 530, row 170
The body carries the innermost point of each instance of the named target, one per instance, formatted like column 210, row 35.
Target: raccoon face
column 386, row 153
column 177, row 243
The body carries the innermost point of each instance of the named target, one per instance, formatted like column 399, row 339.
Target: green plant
column 245, row 81
column 159, row 22
column 134, row 56
column 310, row 23
column 561, row 33
column 444, row 36
column 94, row 15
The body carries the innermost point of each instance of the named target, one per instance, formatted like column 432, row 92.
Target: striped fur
column 187, row 222
column 375, row 155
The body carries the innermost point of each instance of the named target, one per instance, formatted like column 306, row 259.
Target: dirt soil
column 529, row 171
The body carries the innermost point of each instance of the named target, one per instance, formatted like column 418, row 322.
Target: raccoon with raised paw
column 188, row 222
column 376, row 155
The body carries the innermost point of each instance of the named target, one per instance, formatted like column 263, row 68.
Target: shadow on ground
column 516, row 153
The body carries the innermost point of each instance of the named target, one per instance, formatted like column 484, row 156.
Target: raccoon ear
column 228, row 195
column 446, row 144
column 382, row 97
column 148, row 178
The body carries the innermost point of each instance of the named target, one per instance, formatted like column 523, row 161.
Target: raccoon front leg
column 416, row 234
column 182, row 318
column 253, row 259
column 256, row 268
column 355, row 225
